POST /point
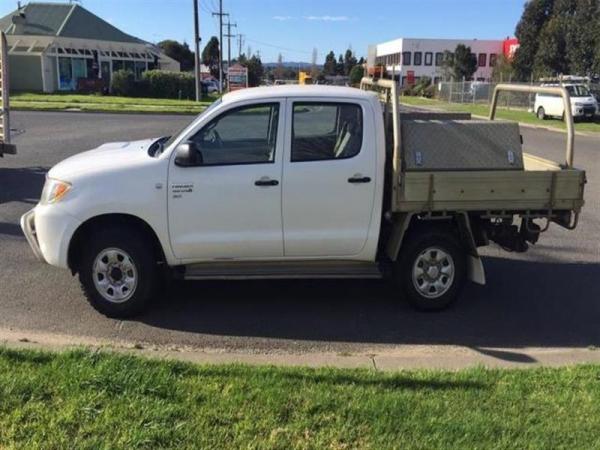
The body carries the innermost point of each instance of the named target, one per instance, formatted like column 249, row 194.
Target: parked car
column 299, row 182
column 583, row 103
column 211, row 86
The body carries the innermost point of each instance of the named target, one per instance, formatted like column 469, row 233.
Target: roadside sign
column 237, row 77
column 5, row 145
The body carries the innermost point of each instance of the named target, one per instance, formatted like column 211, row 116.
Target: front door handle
column 266, row 182
column 358, row 179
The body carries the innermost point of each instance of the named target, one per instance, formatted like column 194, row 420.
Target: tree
column 255, row 68
column 330, row 66
column 349, row 62
column 210, row 56
column 179, row 52
column 356, row 74
column 463, row 64
column 558, row 37
column 339, row 67
column 503, row 69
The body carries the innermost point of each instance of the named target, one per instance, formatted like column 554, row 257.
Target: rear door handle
column 266, row 182
column 359, row 179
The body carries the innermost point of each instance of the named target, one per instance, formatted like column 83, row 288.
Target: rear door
column 328, row 178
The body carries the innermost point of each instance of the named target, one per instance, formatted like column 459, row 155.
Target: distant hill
column 291, row 64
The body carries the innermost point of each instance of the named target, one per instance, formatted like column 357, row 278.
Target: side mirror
column 188, row 155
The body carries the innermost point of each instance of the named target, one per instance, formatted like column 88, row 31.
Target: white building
column 410, row 59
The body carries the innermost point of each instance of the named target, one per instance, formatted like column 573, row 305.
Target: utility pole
column 229, row 36
column 240, row 45
column 197, row 50
column 220, row 14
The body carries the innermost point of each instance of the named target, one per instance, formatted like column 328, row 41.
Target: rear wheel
column 541, row 113
column 431, row 269
column 118, row 272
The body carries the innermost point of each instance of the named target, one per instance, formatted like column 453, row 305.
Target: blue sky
column 294, row 27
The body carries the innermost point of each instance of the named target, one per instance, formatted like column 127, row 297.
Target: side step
column 279, row 270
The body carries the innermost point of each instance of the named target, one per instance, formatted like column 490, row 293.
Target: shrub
column 356, row 74
column 123, row 83
column 165, row 84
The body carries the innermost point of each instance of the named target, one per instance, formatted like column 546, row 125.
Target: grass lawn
column 98, row 400
column 518, row 115
column 98, row 103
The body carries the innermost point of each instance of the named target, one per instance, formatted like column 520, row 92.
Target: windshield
column 578, row 91
column 174, row 137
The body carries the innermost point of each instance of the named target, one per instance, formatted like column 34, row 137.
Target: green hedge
column 154, row 84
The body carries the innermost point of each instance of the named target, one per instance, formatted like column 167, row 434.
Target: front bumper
column 49, row 231
column 28, row 227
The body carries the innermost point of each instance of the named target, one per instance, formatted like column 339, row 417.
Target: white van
column 583, row 103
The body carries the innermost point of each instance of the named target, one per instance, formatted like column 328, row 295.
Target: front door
column 329, row 179
column 229, row 207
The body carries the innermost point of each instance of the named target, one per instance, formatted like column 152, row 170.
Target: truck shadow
column 525, row 304
column 23, row 184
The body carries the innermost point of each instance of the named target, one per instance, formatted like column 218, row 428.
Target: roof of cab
column 319, row 91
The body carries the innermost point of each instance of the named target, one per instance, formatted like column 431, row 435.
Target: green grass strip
column 98, row 400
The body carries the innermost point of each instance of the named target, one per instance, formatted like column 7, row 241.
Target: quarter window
column 245, row 135
column 326, row 131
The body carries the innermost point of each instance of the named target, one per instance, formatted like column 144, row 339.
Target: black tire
column 541, row 113
column 414, row 249
column 139, row 256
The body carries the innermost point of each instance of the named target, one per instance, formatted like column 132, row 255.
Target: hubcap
column 433, row 272
column 115, row 275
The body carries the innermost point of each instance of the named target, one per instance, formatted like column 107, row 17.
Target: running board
column 279, row 270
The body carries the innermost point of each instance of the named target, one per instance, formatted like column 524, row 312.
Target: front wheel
column 431, row 269
column 541, row 113
column 118, row 272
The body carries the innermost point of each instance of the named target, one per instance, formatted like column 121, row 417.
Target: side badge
column 179, row 189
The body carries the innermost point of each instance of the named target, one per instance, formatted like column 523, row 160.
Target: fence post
column 462, row 95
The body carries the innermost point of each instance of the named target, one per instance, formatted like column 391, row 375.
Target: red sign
column 510, row 46
column 410, row 77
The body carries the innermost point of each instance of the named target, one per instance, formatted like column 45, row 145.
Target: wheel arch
column 458, row 223
column 105, row 220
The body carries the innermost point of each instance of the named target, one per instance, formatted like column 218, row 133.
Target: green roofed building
column 64, row 47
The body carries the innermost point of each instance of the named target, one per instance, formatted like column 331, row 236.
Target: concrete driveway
column 547, row 300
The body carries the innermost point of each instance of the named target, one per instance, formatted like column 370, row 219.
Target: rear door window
column 326, row 131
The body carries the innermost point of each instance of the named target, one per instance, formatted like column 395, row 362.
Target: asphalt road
column 549, row 297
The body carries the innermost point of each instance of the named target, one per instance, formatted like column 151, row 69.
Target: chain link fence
column 479, row 92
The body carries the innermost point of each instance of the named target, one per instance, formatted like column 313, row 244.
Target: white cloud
column 282, row 18
column 328, row 18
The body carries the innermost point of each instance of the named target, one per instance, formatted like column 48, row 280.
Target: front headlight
column 54, row 190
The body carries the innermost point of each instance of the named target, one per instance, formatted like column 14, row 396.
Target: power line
column 279, row 48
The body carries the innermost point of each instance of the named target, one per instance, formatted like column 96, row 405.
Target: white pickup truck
column 297, row 182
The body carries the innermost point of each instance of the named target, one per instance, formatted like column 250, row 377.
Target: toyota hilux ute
column 302, row 182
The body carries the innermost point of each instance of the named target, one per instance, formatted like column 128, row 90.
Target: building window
column 418, row 58
column 482, row 61
column 474, row 56
column 439, row 58
column 406, row 58
column 493, row 59
column 428, row 59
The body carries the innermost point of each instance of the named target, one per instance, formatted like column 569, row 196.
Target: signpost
column 5, row 146
column 237, row 77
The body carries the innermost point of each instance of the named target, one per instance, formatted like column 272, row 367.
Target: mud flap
column 475, row 270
